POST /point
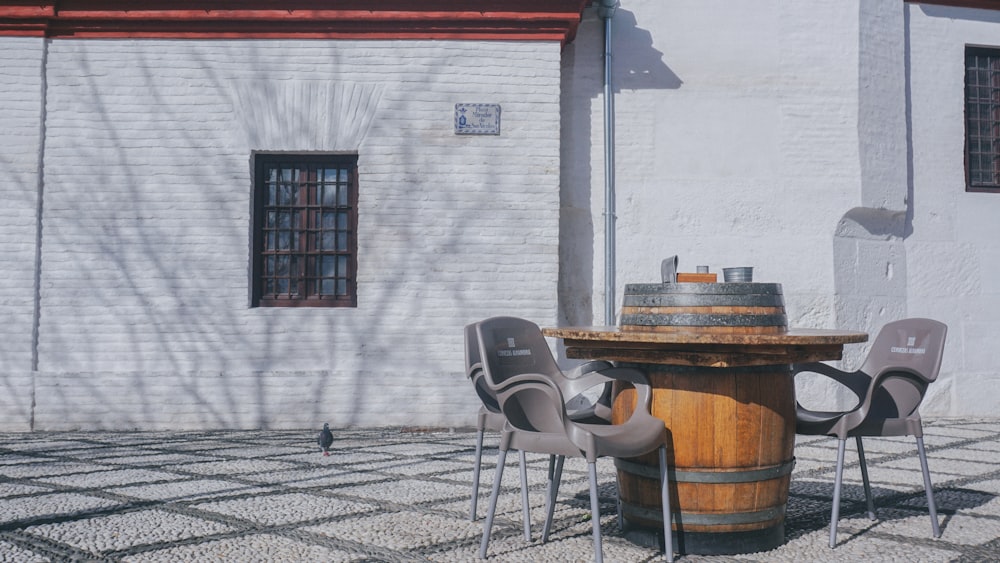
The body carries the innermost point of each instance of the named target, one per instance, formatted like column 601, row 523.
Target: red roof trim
column 981, row 4
column 542, row 20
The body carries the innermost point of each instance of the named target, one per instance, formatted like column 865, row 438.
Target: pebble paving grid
column 400, row 494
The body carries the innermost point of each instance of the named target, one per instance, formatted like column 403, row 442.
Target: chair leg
column 835, row 512
column 864, row 479
column 525, row 510
column 931, row 505
column 554, row 478
column 475, row 474
column 668, row 541
column 497, row 477
column 595, row 513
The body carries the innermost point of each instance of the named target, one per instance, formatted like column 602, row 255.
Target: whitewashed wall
column 779, row 135
column 954, row 250
column 820, row 142
column 737, row 142
column 144, row 264
column 21, row 89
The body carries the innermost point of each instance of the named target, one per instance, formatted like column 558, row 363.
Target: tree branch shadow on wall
column 160, row 317
column 158, row 338
column 188, row 343
column 111, row 234
column 636, row 65
column 19, row 195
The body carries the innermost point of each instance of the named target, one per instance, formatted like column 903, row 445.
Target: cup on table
column 743, row 274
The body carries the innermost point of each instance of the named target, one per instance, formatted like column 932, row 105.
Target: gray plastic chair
column 904, row 359
column 517, row 364
column 490, row 417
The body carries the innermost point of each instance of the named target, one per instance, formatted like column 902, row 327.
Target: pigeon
column 325, row 439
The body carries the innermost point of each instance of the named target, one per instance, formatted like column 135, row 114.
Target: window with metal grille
column 982, row 119
column 304, row 231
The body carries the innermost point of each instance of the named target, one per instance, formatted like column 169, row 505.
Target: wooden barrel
column 732, row 434
column 718, row 308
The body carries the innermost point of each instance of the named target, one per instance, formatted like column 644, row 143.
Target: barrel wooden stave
column 723, row 423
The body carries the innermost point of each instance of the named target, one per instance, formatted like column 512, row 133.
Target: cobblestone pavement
column 403, row 495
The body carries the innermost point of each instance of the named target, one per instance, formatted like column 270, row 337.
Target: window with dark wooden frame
column 305, row 231
column 982, row 119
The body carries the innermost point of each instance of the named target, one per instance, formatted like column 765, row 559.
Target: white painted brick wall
column 20, row 134
column 144, row 293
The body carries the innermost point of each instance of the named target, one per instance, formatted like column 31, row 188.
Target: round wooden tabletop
column 709, row 349
column 791, row 337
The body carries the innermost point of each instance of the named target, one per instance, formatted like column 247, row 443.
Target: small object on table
column 697, row 278
column 668, row 270
column 743, row 274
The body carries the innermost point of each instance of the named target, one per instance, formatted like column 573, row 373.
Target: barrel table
column 728, row 402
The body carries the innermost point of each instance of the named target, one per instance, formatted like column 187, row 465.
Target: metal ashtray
column 743, row 274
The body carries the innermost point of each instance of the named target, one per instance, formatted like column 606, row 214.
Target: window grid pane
column 982, row 114
column 306, row 218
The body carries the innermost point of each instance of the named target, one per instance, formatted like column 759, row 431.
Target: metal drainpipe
column 607, row 12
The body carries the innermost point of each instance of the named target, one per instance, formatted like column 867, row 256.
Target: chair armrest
column 600, row 408
column 639, row 381
column 910, row 373
column 485, row 393
column 573, row 386
column 527, row 383
column 522, row 378
column 596, row 365
column 857, row 381
column 917, row 380
column 892, row 410
column 478, row 366
column 632, row 375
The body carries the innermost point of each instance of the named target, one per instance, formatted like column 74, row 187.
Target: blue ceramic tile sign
column 477, row 119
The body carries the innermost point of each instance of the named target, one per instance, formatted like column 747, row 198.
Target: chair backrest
column 512, row 347
column 917, row 344
column 901, row 349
